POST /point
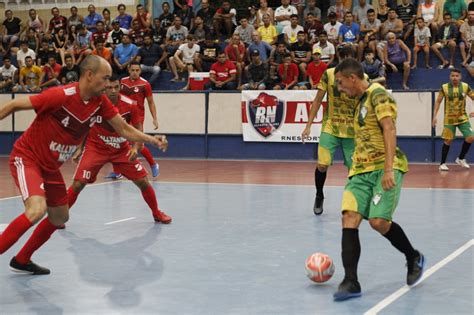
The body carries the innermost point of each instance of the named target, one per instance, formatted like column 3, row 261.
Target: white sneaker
column 462, row 163
column 443, row 167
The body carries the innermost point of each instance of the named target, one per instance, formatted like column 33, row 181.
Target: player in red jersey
column 104, row 145
column 64, row 116
column 139, row 89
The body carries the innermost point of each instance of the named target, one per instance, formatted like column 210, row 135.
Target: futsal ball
column 319, row 267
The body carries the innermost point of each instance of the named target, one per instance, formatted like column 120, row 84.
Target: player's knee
column 58, row 215
column 322, row 168
column 35, row 208
column 380, row 225
column 448, row 141
column 142, row 183
column 470, row 139
column 78, row 186
column 351, row 219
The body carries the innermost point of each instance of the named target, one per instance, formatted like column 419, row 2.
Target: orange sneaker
column 162, row 217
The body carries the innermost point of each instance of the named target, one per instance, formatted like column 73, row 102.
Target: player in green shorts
column 337, row 130
column 454, row 94
column 375, row 178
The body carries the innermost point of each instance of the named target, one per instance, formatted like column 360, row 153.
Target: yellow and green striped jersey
column 455, row 102
column 369, row 152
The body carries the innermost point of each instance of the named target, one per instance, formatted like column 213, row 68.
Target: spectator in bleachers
column 23, row 53
column 369, row 29
column 185, row 58
column 175, row 36
column 235, row 53
column 373, row 67
column 332, row 28
column 158, row 33
column 470, row 66
column 107, row 19
column 447, row 36
column 208, row 53
column 179, row 5
column 407, row 13
column 35, row 22
column 397, row 57
column 166, row 18
column 288, row 74
column 51, row 71
column 143, row 17
column 263, row 47
column 349, row 32
column 206, row 13
column 257, row 73
column 137, row 33
column 101, row 51
column 360, row 11
column 124, row 53
column 100, row 33
column 311, row 8
column 315, row 69
column 74, row 19
column 283, row 14
column 393, row 25
column 225, row 20
column 70, row 72
column 457, row 9
column 299, row 5
column 124, row 19
column 222, row 75
column 187, row 16
column 11, row 29
column 268, row 31
column 32, row 39
column 150, row 57
column 83, row 43
column 9, row 75
column 428, row 10
column 57, row 22
column 263, row 9
column 301, row 54
column 90, row 21
column 245, row 30
column 277, row 56
column 114, row 37
column 467, row 38
column 30, row 77
column 328, row 51
column 313, row 28
column 382, row 11
column 339, row 9
column 199, row 30
column 291, row 31
column 44, row 52
column 59, row 44
column 422, row 42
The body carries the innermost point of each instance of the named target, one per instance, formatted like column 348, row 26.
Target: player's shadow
column 123, row 266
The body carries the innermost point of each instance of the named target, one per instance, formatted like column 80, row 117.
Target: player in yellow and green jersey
column 337, row 129
column 375, row 178
column 454, row 94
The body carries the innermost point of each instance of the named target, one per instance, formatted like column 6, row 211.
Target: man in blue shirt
column 124, row 19
column 91, row 20
column 124, row 54
column 349, row 33
column 263, row 47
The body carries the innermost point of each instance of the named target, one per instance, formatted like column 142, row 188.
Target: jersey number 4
column 65, row 121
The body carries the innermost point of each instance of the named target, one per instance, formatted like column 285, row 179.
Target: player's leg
column 447, row 136
column 468, row 134
column 355, row 206
column 380, row 218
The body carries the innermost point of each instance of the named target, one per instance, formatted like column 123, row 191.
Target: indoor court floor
column 240, row 235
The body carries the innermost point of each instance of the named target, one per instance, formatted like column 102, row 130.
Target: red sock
column 150, row 198
column 71, row 196
column 147, row 155
column 40, row 235
column 13, row 232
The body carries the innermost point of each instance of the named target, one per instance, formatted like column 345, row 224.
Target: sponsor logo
column 64, row 151
column 266, row 113
column 114, row 142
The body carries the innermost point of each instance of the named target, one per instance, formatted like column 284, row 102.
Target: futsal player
column 375, row 178
column 104, row 145
column 64, row 115
column 337, row 129
column 454, row 94
column 139, row 89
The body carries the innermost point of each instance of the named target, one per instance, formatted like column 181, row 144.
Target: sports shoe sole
column 345, row 296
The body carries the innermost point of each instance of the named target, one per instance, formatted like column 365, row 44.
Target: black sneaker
column 348, row 289
column 415, row 268
column 318, row 205
column 30, row 268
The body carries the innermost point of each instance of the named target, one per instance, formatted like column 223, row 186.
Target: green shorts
column 364, row 194
column 328, row 145
column 449, row 131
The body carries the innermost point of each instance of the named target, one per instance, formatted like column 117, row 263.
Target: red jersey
column 137, row 90
column 103, row 136
column 316, row 71
column 62, row 120
column 99, row 35
column 223, row 71
column 291, row 75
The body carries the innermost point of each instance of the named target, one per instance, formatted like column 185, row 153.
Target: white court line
column 394, row 296
column 118, row 221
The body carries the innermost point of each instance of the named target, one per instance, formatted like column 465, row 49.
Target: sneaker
column 162, row 217
column 415, row 268
column 30, row 268
column 114, row 176
column 348, row 289
column 155, row 170
column 318, row 205
column 443, row 167
column 462, row 163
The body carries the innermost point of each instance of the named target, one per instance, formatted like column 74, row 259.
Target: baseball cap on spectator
column 332, row 15
column 115, row 21
column 317, row 50
column 255, row 52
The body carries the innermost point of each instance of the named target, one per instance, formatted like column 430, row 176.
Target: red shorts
column 34, row 181
column 93, row 160
column 141, row 114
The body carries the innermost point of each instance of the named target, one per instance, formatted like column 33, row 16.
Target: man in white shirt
column 184, row 58
column 291, row 31
column 8, row 73
column 360, row 11
column 328, row 51
column 332, row 28
column 23, row 53
column 284, row 12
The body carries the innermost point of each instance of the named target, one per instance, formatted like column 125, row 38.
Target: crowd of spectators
column 283, row 44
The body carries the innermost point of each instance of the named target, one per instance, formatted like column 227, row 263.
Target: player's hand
column 161, row 142
column 132, row 154
column 388, row 180
column 77, row 155
column 305, row 134
column 394, row 68
column 435, row 121
column 155, row 123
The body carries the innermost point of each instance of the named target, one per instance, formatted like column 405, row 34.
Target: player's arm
column 312, row 113
column 132, row 134
column 152, row 107
column 15, row 105
column 439, row 99
column 390, row 143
